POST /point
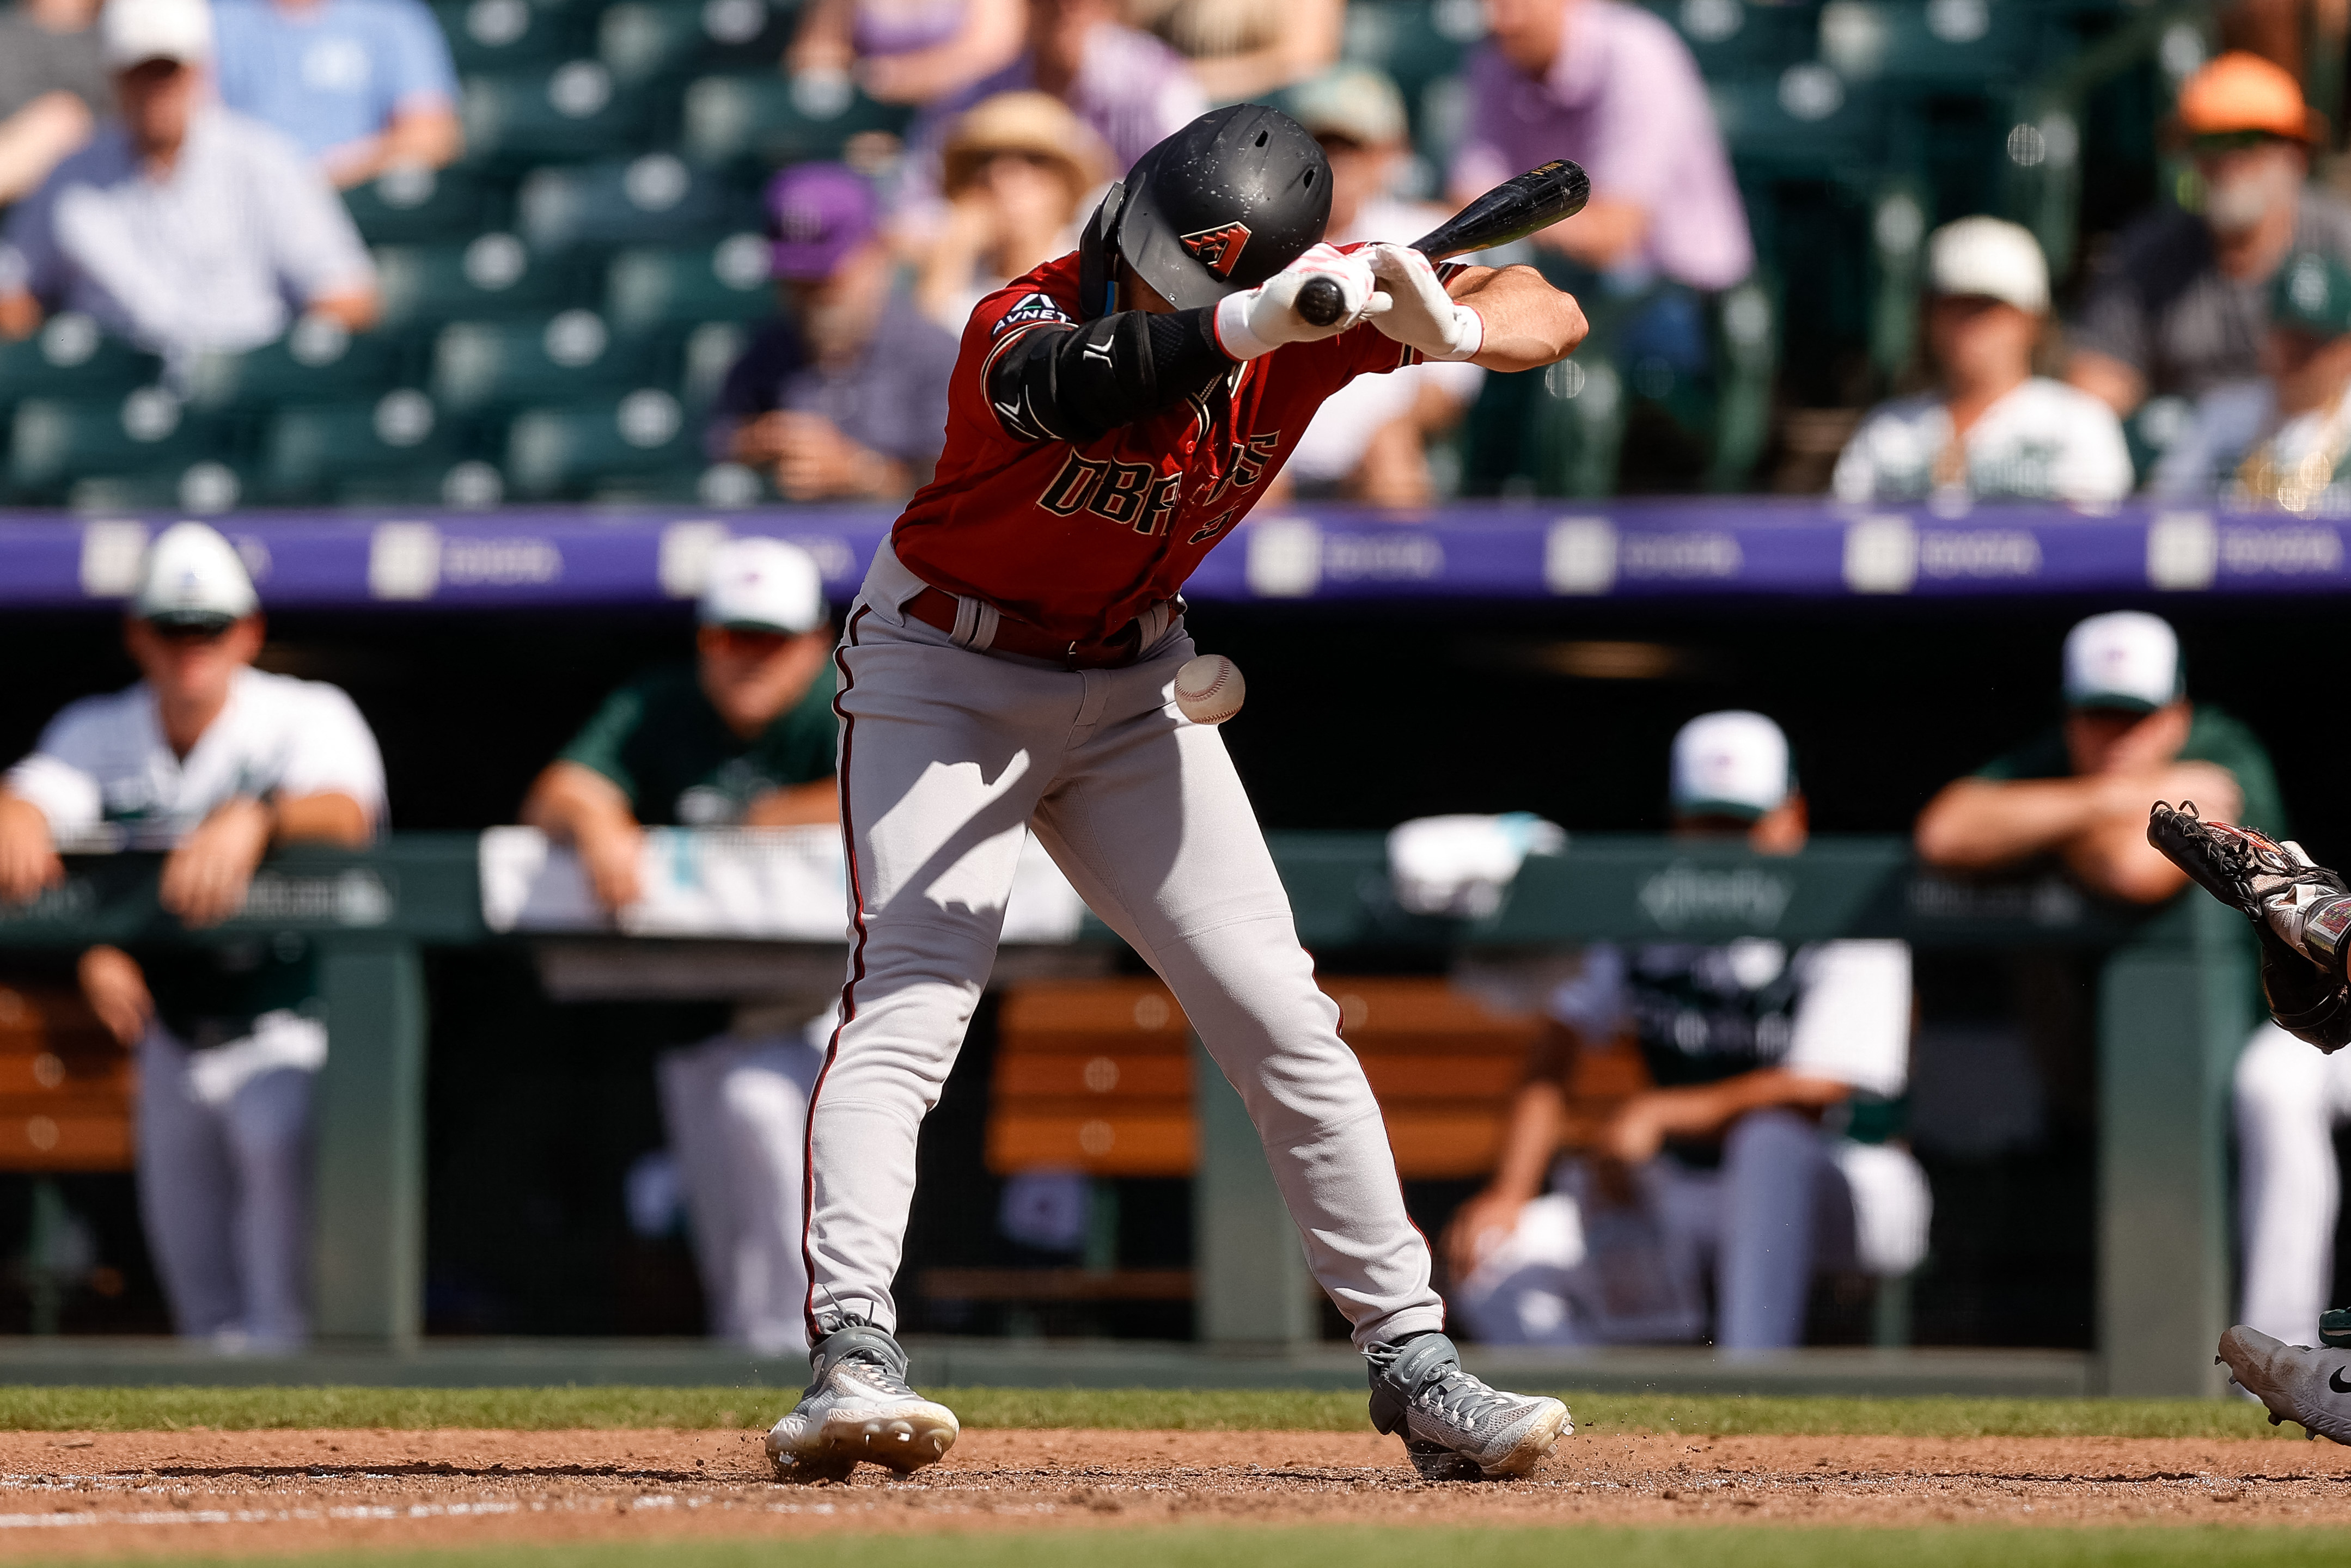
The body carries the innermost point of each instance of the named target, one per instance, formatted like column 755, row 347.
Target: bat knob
column 1320, row 301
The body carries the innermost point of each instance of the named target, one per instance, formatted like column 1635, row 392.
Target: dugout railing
column 2174, row 1005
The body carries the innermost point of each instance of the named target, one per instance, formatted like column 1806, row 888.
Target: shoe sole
column 903, row 1439
column 1535, row 1447
column 2245, row 1367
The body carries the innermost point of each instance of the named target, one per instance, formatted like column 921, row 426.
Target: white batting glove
column 1422, row 315
column 1258, row 320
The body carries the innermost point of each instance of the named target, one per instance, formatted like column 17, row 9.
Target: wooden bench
column 66, row 1087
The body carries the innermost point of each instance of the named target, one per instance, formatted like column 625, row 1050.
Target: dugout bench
column 2175, row 1003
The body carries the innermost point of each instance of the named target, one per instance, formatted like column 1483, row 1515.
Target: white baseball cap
column 136, row 31
column 193, row 578
column 763, row 585
column 2127, row 660
column 1993, row 257
column 1733, row 763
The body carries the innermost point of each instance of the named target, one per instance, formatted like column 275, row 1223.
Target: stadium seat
column 317, row 360
column 389, row 450
column 145, row 443
column 644, row 40
column 506, row 34
column 648, row 289
column 70, row 357
column 485, row 365
column 573, row 111
column 1749, row 37
column 1974, row 45
column 1805, row 120
column 613, row 449
column 491, row 275
column 409, row 206
column 655, row 198
column 766, row 120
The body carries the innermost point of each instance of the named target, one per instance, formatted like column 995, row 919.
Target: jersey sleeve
column 1853, row 1020
column 601, row 746
column 61, row 777
column 334, row 753
column 423, row 74
column 2094, row 463
column 1595, row 1003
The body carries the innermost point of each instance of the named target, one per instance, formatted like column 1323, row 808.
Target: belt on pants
column 937, row 608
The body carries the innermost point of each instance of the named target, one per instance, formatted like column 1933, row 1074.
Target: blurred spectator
column 1129, row 89
column 216, row 762
column 1760, row 1148
column 907, row 51
column 1369, row 441
column 844, row 394
column 2079, row 794
column 1613, row 88
column 2286, row 441
column 1243, row 50
column 744, row 737
column 183, row 226
column 363, row 85
column 1992, row 429
column 2180, row 304
column 1016, row 172
column 53, row 88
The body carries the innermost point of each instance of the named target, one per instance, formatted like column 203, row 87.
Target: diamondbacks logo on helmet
column 1217, row 249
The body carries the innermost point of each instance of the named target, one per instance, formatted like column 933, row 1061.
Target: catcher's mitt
column 2301, row 912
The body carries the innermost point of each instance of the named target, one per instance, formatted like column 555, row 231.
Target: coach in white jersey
column 1992, row 430
column 216, row 762
column 1763, row 1151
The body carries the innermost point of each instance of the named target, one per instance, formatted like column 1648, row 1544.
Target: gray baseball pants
column 947, row 754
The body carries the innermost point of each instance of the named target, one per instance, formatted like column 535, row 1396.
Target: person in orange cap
column 2180, row 305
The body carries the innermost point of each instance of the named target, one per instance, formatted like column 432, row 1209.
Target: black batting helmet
column 1220, row 206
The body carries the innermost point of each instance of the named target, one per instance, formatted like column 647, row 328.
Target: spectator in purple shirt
column 844, row 395
column 1611, row 87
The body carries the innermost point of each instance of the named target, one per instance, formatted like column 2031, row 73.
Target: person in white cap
column 215, row 762
column 183, row 226
column 1369, row 441
column 1762, row 1146
column 1991, row 430
column 743, row 737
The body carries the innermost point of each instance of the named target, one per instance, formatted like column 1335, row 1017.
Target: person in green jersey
column 742, row 737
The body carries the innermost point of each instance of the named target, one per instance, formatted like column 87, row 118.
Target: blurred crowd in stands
column 673, row 251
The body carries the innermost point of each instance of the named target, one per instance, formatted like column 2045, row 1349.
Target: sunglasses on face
column 2219, row 142
column 190, row 635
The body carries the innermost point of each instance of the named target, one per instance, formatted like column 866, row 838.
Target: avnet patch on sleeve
column 1030, row 308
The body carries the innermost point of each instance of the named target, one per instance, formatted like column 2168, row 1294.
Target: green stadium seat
column 657, row 198
column 646, row 40
column 1805, row 121
column 574, row 111
column 506, row 34
column 149, row 435
column 485, row 365
column 648, row 289
column 766, row 120
column 1977, row 45
column 393, row 449
column 490, row 275
column 317, row 360
column 70, row 357
column 614, row 449
column 408, row 206
column 710, row 351
column 1732, row 37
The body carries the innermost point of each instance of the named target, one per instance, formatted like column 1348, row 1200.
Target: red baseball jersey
column 1079, row 540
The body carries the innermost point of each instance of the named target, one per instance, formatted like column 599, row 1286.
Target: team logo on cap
column 1217, row 249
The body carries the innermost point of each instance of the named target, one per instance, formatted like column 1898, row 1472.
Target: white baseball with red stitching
column 1209, row 689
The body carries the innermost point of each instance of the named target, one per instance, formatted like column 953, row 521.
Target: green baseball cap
column 2312, row 293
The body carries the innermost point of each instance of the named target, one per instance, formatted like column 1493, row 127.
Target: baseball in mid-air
column 1209, row 689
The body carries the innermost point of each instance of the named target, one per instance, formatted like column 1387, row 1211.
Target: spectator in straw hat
column 2180, row 305
column 1016, row 172
column 1991, row 428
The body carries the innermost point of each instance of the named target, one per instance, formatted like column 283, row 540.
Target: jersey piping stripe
column 856, row 965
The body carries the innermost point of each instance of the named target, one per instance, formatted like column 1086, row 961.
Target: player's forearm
column 328, row 817
column 569, row 802
column 2114, row 858
column 1704, row 1110
column 796, row 806
column 1529, row 1141
column 1527, row 323
column 1978, row 824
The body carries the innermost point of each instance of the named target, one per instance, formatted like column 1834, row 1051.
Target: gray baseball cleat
column 1453, row 1427
column 2297, row 1383
column 859, row 1406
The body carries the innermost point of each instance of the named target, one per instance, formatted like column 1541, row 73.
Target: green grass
column 1233, row 1410
column 2151, row 1546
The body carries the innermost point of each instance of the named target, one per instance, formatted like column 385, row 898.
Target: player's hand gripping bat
column 1510, row 211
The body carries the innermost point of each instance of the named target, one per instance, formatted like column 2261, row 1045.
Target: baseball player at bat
column 2301, row 914
column 1008, row 668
